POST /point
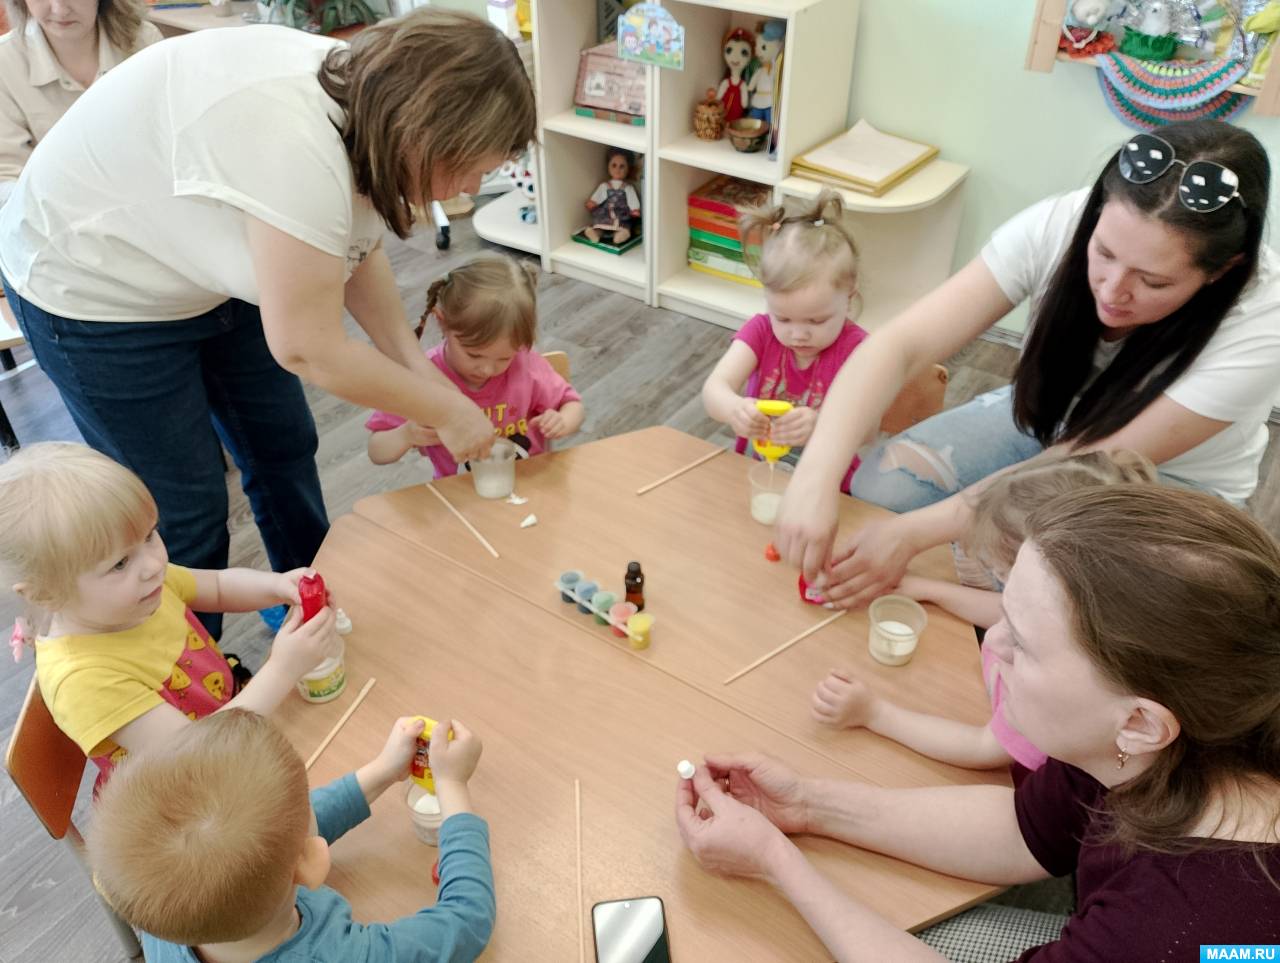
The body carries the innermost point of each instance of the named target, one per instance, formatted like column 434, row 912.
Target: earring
column 1121, row 757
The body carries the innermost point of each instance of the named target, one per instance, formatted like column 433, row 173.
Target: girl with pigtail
column 808, row 264
column 487, row 312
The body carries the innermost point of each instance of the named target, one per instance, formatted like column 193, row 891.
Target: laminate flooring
column 634, row 365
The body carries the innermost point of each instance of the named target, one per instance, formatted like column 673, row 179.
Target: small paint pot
column 620, row 613
column 585, row 592
column 638, row 626
column 424, row 810
column 601, row 602
column 896, row 624
column 568, row 583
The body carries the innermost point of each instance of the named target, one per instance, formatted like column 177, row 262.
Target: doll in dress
column 614, row 206
column 738, row 47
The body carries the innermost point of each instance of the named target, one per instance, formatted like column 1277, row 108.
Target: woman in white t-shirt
column 1155, row 326
column 181, row 246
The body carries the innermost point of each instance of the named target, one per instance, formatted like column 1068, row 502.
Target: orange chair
column 920, row 398
column 46, row 766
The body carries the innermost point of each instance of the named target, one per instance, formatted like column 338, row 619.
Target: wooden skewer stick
column 577, row 811
column 679, row 471
column 784, row 646
column 462, row 518
column 340, row 723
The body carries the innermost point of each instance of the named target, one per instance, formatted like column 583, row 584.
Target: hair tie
column 18, row 639
column 819, row 222
column 773, row 228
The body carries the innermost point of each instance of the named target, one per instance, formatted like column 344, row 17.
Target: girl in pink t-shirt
column 809, row 268
column 996, row 524
column 487, row 312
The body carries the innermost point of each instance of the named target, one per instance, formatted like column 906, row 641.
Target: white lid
column 686, row 769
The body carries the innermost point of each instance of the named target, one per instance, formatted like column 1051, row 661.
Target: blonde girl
column 122, row 661
column 809, row 268
column 487, row 312
column 997, row 531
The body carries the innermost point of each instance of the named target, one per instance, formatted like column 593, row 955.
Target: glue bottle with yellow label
column 420, row 768
column 765, row 447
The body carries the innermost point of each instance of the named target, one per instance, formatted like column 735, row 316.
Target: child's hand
column 842, row 702
column 795, row 427
column 415, row 435
column 394, row 759
column 299, row 647
column 552, row 424
column 286, row 585
column 453, row 760
column 747, row 420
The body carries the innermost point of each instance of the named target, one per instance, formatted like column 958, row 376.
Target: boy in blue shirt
column 208, row 847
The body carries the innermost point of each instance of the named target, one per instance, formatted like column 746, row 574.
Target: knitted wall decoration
column 1145, row 94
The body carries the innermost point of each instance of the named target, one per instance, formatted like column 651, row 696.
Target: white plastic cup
column 327, row 680
column 424, row 811
column 768, row 482
column 495, row 476
column 896, row 624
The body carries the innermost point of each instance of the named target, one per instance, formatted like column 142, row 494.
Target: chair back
column 44, row 764
column 920, row 398
column 559, row 362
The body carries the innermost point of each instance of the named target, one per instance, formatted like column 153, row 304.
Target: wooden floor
column 635, row 366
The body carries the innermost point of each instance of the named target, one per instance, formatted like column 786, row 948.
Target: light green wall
column 471, row 6
column 950, row 73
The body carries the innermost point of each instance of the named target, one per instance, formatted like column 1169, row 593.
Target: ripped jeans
column 943, row 454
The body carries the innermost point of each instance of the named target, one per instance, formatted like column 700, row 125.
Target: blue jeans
column 944, row 454
column 159, row 396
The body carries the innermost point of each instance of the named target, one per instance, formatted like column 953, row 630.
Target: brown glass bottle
column 634, row 582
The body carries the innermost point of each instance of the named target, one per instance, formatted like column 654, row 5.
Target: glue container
column 424, row 811
column 420, row 767
column 327, row 680
column 896, row 624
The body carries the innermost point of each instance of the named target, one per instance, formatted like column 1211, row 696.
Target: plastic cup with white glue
column 896, row 624
column 424, row 807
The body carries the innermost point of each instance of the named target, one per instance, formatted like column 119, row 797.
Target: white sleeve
column 252, row 151
column 1238, row 371
column 633, row 200
column 1024, row 251
column 601, row 193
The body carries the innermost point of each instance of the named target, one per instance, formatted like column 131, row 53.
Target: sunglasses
column 1204, row 187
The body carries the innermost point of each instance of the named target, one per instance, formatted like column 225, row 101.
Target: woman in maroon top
column 1140, row 648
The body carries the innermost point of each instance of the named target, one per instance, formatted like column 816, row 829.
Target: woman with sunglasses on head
column 1154, row 326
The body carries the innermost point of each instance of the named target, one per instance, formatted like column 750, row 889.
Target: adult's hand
column 807, row 521
column 765, row 784
column 726, row 837
column 467, row 433
column 870, row 563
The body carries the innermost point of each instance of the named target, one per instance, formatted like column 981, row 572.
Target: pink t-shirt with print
column 526, row 389
column 777, row 376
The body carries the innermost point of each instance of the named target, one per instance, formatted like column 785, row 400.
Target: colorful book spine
column 724, row 275
column 733, row 253
column 617, row 116
column 724, row 264
column 713, row 227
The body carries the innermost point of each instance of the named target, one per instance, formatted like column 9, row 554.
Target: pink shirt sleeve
column 756, row 334
column 550, row 391
column 384, row 421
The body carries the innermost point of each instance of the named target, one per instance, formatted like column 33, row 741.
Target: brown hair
column 223, row 808
column 487, row 298
column 432, row 88
column 65, row 508
column 120, row 20
column 1175, row 596
column 1000, row 510
column 799, row 249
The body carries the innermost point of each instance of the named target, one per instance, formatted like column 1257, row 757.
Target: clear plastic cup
column 896, row 624
column 768, row 482
column 495, row 476
column 424, row 810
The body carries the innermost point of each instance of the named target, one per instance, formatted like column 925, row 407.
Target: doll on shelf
column 738, row 47
column 761, row 85
column 615, row 206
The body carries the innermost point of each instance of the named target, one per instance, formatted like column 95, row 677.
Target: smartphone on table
column 630, row 931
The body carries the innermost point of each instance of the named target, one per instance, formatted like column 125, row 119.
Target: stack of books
column 863, row 159
column 715, row 245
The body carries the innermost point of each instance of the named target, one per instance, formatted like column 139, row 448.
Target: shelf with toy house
column 811, row 104
column 1043, row 54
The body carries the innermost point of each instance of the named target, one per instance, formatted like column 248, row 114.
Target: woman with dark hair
column 1140, row 649
column 1155, row 326
column 182, row 245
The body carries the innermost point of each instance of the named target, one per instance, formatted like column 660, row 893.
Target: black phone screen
column 630, row 931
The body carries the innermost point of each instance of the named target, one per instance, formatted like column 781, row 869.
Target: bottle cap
column 686, row 769
column 633, row 568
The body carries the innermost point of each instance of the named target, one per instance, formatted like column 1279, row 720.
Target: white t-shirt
column 1235, row 378
column 135, row 206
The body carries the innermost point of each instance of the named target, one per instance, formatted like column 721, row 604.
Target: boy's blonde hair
column 487, row 298
column 65, row 508
column 433, row 89
column 1001, row 510
column 799, row 249
column 223, row 810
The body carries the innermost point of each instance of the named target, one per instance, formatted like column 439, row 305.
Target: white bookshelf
column 499, row 221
